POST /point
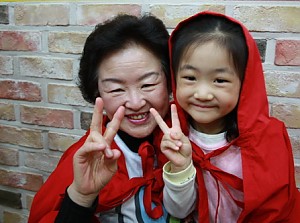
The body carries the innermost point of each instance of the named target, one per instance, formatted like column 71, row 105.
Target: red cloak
column 270, row 193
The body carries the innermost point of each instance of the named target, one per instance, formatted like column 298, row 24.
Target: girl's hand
column 95, row 162
column 175, row 145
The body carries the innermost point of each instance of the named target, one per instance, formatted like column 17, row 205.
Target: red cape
column 47, row 201
column 270, row 193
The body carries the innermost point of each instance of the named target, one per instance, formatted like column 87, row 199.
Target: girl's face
column 207, row 86
column 133, row 77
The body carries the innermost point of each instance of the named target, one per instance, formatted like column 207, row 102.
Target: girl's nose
column 203, row 93
column 135, row 100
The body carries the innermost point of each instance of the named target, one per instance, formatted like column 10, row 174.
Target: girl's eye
column 220, row 81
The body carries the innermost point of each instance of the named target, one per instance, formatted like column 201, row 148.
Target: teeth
column 137, row 117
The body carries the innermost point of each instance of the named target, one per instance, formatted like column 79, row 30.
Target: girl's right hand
column 175, row 145
column 95, row 162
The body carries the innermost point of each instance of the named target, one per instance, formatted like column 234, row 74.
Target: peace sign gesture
column 95, row 162
column 175, row 145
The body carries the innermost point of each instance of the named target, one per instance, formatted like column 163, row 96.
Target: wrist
column 176, row 169
column 179, row 178
column 85, row 200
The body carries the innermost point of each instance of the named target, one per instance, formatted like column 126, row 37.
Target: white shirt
column 228, row 161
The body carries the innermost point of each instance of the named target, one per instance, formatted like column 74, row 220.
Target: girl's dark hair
column 226, row 34
column 117, row 34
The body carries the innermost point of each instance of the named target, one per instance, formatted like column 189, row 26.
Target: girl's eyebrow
column 223, row 70
column 218, row 70
column 188, row 67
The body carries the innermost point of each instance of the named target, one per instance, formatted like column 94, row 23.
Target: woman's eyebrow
column 118, row 81
column 113, row 80
column 146, row 75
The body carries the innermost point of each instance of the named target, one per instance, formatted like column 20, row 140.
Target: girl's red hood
column 253, row 112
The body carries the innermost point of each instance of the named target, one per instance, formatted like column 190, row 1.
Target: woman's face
column 133, row 78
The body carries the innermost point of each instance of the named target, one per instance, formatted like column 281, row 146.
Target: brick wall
column 42, row 111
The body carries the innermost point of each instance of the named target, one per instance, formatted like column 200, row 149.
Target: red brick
column 283, row 84
column 20, row 41
column 263, row 18
column 287, row 53
column 65, row 94
column 20, row 90
column 9, row 157
column 42, row 14
column 13, row 217
column 29, row 199
column 27, row 181
column 94, row 14
column 67, row 42
column 54, row 67
column 7, row 112
column 47, row 116
column 171, row 14
column 288, row 113
column 21, row 136
column 297, row 175
column 44, row 162
column 6, row 65
column 295, row 141
column 60, row 141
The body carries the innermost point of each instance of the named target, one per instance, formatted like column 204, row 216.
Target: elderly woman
column 113, row 173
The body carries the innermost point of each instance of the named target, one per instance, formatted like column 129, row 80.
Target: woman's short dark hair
column 114, row 35
column 226, row 34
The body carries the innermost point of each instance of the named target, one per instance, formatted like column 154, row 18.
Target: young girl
column 242, row 157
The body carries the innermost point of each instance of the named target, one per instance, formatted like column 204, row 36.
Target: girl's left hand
column 175, row 145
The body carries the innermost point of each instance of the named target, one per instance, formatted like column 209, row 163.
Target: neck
column 134, row 143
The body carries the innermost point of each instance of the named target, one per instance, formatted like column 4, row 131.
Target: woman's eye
column 116, row 90
column 189, row 78
column 147, row 85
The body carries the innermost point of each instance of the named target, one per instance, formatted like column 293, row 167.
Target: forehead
column 210, row 47
column 129, row 65
column 209, row 54
column 132, row 62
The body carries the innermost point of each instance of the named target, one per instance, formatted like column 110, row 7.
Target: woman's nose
column 135, row 100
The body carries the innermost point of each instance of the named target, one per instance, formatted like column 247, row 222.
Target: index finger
column 175, row 119
column 114, row 125
column 96, row 123
column 161, row 123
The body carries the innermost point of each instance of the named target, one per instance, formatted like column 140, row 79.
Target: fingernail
column 108, row 152
column 179, row 143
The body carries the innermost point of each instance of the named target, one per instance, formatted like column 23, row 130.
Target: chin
column 140, row 135
column 139, row 131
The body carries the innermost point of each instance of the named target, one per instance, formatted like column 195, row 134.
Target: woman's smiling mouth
column 138, row 117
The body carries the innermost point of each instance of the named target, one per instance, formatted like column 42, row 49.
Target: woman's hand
column 175, row 145
column 95, row 162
